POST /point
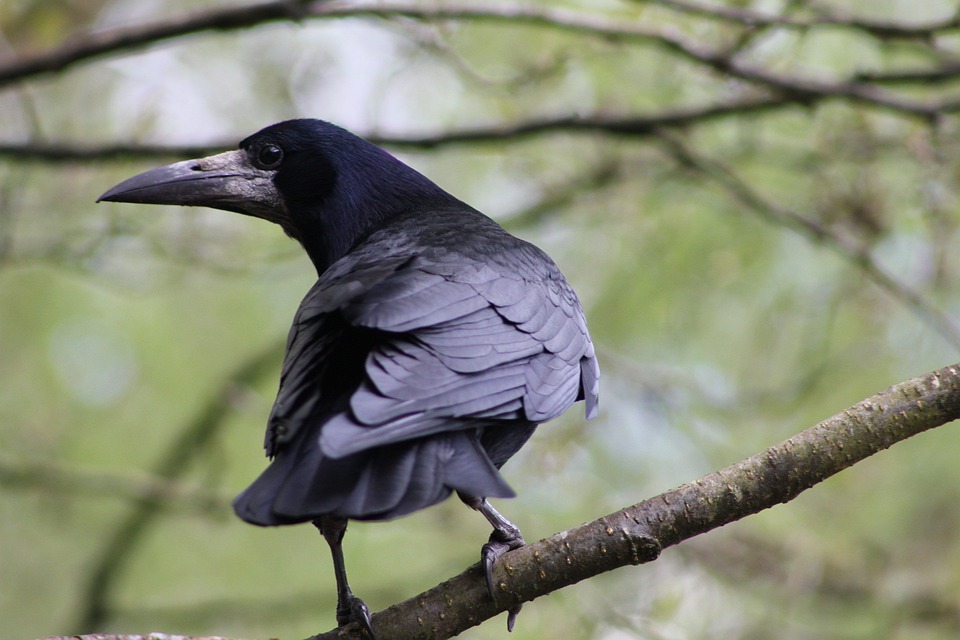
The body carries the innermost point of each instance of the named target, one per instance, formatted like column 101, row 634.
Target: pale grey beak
column 224, row 181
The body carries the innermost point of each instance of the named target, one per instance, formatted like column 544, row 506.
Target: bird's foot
column 491, row 552
column 501, row 541
column 353, row 609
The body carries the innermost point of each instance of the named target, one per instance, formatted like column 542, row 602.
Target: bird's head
column 325, row 186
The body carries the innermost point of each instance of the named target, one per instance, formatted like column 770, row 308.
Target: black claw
column 489, row 555
column 361, row 613
column 488, row 558
column 512, row 617
column 356, row 610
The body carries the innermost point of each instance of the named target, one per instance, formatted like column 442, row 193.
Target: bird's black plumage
column 427, row 352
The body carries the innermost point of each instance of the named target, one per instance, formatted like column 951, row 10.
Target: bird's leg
column 505, row 537
column 350, row 608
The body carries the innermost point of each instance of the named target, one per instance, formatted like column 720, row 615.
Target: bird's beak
column 224, row 181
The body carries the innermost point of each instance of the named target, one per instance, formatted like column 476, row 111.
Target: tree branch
column 631, row 125
column 117, row 40
column 626, row 126
column 144, row 489
column 609, row 28
column 947, row 71
column 173, row 463
column 850, row 249
column 884, row 30
column 134, row 636
column 637, row 534
column 613, row 28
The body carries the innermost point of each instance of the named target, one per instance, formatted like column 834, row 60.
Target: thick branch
column 638, row 533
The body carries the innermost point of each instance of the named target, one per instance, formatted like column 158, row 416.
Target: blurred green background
column 140, row 346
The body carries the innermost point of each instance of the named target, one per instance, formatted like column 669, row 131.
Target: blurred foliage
column 720, row 329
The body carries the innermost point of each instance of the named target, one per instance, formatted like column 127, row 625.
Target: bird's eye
column 268, row 156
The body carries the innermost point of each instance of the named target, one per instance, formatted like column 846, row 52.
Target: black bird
column 429, row 349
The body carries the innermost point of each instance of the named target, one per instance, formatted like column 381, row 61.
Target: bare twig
column 60, row 479
column 642, row 125
column 122, row 39
column 885, row 30
column 134, row 636
column 602, row 175
column 619, row 29
column 851, row 249
column 947, row 71
column 119, row 546
column 610, row 28
column 42, row 152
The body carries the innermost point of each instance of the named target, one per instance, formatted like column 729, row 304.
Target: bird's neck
column 328, row 238
column 357, row 190
column 344, row 222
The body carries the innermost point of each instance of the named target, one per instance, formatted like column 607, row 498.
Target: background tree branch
column 120, row 40
column 823, row 18
column 189, row 444
column 114, row 41
column 628, row 126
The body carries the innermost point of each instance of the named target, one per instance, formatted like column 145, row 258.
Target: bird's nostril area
column 196, row 167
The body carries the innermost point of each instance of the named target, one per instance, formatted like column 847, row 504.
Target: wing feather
column 460, row 341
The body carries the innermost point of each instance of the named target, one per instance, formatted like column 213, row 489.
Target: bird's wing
column 463, row 342
column 318, row 342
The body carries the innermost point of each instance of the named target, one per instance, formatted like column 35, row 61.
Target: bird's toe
column 498, row 545
column 500, row 542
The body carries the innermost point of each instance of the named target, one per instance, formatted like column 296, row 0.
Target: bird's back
column 417, row 365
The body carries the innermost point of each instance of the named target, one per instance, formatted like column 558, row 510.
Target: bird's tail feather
column 302, row 484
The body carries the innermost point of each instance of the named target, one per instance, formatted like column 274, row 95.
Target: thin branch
column 557, row 197
column 134, row 636
column 56, row 478
column 43, row 152
column 121, row 39
column 882, row 29
column 618, row 29
column 175, row 461
column 610, row 28
column 751, row 34
column 850, row 249
column 619, row 125
column 948, row 71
